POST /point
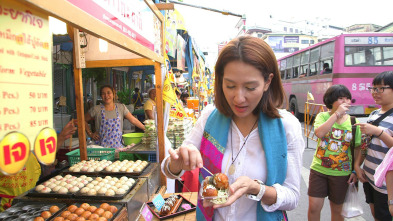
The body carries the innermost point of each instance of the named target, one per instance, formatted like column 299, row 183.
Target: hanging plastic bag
column 351, row 207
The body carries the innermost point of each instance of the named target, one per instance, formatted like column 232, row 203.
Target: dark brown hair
column 107, row 86
column 333, row 93
column 255, row 52
column 110, row 87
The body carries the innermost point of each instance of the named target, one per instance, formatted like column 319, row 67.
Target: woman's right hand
column 186, row 157
column 342, row 109
column 95, row 136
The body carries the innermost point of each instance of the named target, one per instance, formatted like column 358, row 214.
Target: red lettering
column 7, row 155
column 19, row 155
column 52, row 144
column 42, row 146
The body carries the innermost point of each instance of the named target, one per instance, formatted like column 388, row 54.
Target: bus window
column 387, row 55
column 282, row 68
column 368, row 56
column 326, row 66
column 289, row 73
column 304, row 70
column 314, row 68
column 296, row 63
column 289, row 66
column 314, row 61
column 282, row 74
column 327, row 50
column 305, row 57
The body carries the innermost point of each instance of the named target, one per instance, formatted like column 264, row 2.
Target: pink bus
column 349, row 59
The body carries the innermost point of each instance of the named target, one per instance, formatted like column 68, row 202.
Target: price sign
column 14, row 152
column 158, row 202
column 146, row 213
column 45, row 146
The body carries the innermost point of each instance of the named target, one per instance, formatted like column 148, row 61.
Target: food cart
column 134, row 33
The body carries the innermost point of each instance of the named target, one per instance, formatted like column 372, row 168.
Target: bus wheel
column 293, row 108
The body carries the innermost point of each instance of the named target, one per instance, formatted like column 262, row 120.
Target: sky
column 210, row 28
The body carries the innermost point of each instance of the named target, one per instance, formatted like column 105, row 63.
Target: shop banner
column 132, row 18
column 181, row 53
column 171, row 35
column 169, row 94
column 25, row 86
column 180, row 24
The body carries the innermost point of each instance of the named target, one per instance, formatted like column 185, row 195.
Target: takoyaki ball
column 94, row 216
column 72, row 208
column 79, row 211
column 39, row 219
column 84, row 206
column 59, row 218
column 220, row 180
column 210, row 191
column 46, row 214
column 80, row 219
column 112, row 209
column 107, row 215
column 65, row 214
column 86, row 214
column 105, row 206
column 53, row 209
column 72, row 216
column 99, row 211
column 208, row 180
column 92, row 209
column 165, row 210
column 102, row 219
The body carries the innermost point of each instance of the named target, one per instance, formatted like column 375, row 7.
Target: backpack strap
column 352, row 145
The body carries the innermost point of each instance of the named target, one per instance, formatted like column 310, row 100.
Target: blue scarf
column 273, row 139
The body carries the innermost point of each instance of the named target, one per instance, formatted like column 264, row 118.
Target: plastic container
column 193, row 103
column 92, row 154
column 134, row 138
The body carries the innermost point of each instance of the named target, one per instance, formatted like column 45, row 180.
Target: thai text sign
column 132, row 18
column 25, row 81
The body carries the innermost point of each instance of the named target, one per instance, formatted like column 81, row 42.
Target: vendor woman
column 108, row 119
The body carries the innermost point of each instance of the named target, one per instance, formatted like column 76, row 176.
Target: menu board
column 25, row 83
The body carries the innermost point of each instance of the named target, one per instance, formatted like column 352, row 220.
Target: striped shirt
column 377, row 149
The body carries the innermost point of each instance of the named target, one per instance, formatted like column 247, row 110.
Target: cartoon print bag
column 366, row 140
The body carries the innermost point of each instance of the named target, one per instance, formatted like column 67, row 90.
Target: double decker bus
column 349, row 59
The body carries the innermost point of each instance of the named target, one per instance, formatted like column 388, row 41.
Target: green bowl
column 134, row 138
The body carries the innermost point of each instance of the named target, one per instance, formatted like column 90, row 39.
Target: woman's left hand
column 352, row 178
column 243, row 185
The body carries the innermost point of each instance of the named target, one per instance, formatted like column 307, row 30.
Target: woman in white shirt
column 247, row 137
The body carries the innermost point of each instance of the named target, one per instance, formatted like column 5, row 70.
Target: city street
column 300, row 213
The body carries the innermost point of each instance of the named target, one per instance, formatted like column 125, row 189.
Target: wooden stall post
column 160, row 118
column 79, row 101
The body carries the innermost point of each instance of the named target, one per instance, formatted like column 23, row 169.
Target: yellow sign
column 169, row 94
column 45, row 146
column 178, row 112
column 25, row 70
column 14, row 153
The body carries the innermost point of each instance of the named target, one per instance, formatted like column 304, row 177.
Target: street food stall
column 134, row 34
